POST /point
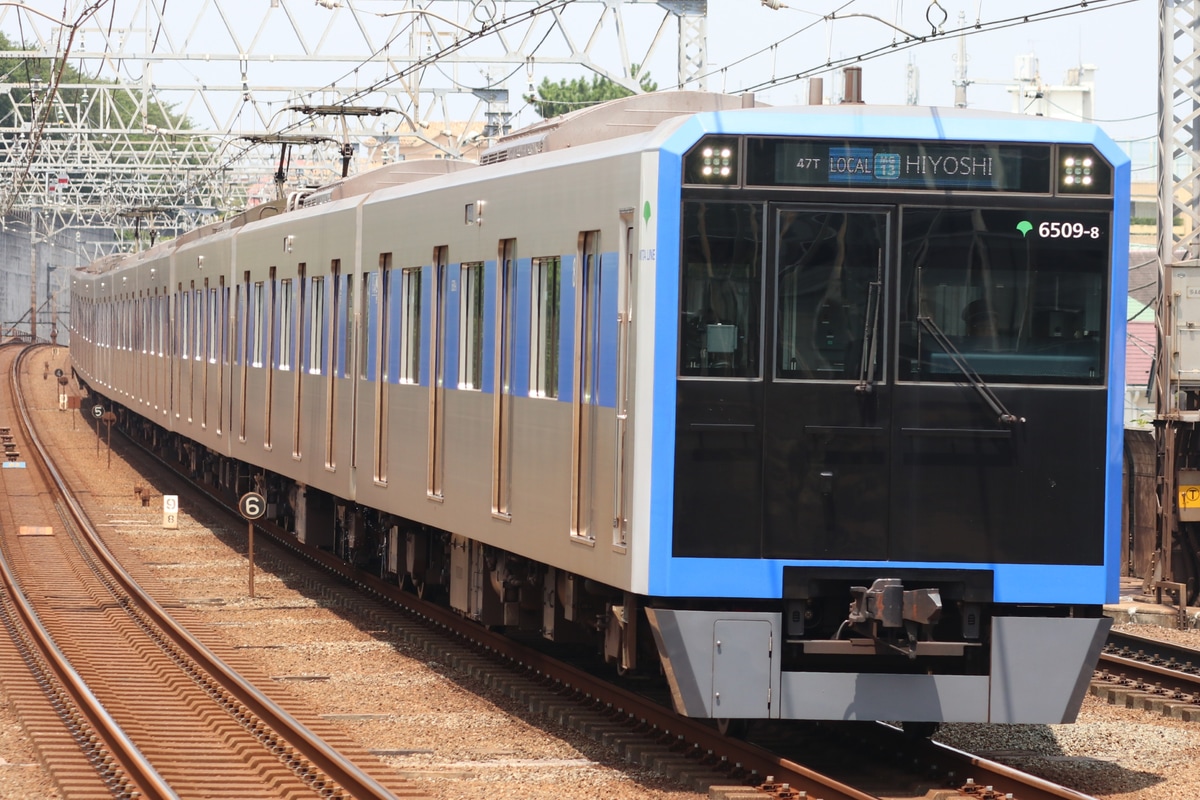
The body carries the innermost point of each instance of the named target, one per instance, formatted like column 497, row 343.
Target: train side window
column 315, row 347
column 258, row 330
column 213, row 326
column 198, row 324
column 184, row 320
column 410, row 326
column 470, row 322
column 369, row 314
column 224, row 342
column 387, row 319
column 721, row 290
column 343, row 331
column 286, row 324
column 544, row 327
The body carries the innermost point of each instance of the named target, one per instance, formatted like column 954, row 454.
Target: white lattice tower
column 236, row 68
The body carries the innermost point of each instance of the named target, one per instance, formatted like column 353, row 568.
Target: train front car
column 889, row 351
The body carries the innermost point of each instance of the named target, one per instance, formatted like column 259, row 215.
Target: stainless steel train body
column 816, row 408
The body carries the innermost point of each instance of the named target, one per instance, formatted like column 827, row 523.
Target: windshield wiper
column 866, row 366
column 1004, row 416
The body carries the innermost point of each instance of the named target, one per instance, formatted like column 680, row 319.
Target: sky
column 749, row 46
column 1119, row 39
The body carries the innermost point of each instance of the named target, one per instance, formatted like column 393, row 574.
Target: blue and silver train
column 815, row 410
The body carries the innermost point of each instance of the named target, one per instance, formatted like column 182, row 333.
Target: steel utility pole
column 1177, row 366
column 33, row 215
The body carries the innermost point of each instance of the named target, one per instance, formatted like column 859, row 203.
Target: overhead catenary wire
column 488, row 29
column 41, row 115
column 978, row 27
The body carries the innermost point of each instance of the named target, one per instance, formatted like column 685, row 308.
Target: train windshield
column 1020, row 295
column 722, row 290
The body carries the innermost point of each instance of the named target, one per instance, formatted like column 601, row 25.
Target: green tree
column 553, row 99
column 126, row 110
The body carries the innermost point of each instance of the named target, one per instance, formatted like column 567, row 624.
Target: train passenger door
column 782, row 411
column 437, row 374
column 825, row 407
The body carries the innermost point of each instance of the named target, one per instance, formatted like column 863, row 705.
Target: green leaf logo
column 646, row 212
column 1024, row 226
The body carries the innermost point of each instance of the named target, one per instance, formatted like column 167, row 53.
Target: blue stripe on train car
column 488, row 376
column 605, row 355
column 450, row 331
column 372, row 333
column 566, row 330
column 343, row 331
column 522, row 319
column 428, row 276
column 239, row 334
column 300, row 333
column 395, row 282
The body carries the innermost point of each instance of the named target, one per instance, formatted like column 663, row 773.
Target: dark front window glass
column 828, row 315
column 1017, row 296
column 721, row 291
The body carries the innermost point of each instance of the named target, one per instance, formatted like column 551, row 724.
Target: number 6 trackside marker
column 252, row 505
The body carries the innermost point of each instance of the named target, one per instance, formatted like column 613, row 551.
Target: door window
column 828, row 293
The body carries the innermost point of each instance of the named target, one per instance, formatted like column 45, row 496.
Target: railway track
column 1166, row 672
column 121, row 700
column 779, row 761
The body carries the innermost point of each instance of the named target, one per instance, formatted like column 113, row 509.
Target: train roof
column 637, row 113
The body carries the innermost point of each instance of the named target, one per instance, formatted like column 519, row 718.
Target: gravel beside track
column 442, row 729
column 1111, row 752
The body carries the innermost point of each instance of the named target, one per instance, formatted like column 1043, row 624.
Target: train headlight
column 1082, row 171
column 713, row 161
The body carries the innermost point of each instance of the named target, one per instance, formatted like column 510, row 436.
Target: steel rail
column 306, row 743
column 132, row 761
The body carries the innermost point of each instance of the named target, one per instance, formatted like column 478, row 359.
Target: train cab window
column 470, row 321
column 721, row 291
column 544, row 327
column 1020, row 296
column 827, row 296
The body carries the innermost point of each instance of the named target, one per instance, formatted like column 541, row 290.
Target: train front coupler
column 888, row 606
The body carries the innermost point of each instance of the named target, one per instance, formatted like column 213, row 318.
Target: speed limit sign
column 252, row 505
column 97, row 411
